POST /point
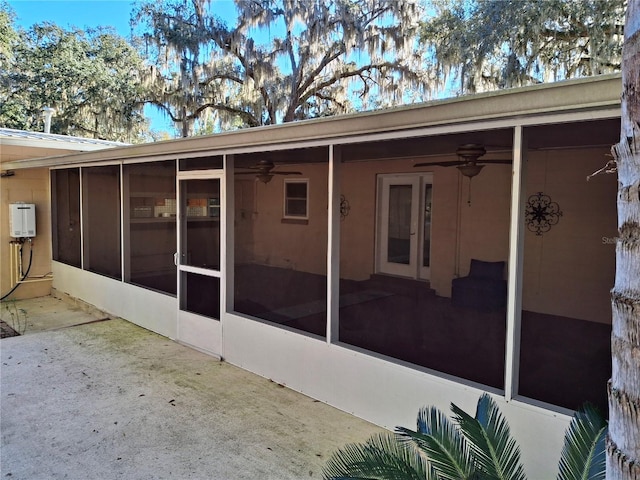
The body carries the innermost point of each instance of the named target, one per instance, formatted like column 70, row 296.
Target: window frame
column 285, row 213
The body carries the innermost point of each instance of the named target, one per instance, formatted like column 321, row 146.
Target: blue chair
column 484, row 289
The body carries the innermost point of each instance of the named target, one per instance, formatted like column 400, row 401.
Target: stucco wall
column 28, row 186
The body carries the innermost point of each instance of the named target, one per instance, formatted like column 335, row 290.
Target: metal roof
column 50, row 137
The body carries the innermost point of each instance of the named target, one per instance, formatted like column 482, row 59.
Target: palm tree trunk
column 623, row 444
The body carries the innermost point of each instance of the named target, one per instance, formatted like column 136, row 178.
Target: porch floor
column 98, row 397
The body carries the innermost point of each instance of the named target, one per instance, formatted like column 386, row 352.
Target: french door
column 404, row 225
column 198, row 259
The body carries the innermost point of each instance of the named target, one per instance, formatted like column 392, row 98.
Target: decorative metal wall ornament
column 541, row 213
column 344, row 207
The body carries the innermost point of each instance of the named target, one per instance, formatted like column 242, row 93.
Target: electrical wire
column 25, row 274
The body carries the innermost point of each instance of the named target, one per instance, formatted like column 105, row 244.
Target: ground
column 6, row 330
column 107, row 399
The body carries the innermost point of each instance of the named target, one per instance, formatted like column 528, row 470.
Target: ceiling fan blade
column 285, row 173
column 496, row 162
column 246, row 173
column 452, row 163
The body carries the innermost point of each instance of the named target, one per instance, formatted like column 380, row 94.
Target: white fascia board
column 575, row 98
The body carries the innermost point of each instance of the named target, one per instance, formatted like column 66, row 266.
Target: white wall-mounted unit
column 22, row 220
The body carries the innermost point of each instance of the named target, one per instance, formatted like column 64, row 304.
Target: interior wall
column 570, row 270
column 244, row 215
column 268, row 238
column 28, row 186
column 484, row 223
column 567, row 272
column 471, row 221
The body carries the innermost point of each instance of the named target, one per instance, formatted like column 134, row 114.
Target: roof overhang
column 51, row 144
column 597, row 96
column 50, row 141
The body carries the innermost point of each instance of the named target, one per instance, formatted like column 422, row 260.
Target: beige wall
column 28, row 186
column 567, row 271
column 570, row 270
column 263, row 237
column 484, row 223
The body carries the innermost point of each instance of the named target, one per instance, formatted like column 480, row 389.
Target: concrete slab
column 45, row 313
column 108, row 400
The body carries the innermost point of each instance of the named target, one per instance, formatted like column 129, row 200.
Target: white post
column 333, row 245
column 516, row 253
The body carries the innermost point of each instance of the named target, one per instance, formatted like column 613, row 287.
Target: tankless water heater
column 22, row 220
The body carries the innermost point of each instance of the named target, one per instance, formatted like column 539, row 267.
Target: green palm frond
column 440, row 440
column 382, row 457
column 583, row 454
column 496, row 453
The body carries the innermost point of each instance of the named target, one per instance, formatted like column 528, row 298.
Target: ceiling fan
column 263, row 170
column 469, row 162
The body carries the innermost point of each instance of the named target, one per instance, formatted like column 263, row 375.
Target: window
column 296, row 198
column 65, row 192
column 101, row 220
column 280, row 264
column 150, row 225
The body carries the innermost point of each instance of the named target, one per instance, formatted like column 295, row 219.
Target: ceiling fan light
column 471, row 151
column 470, row 170
column 264, row 177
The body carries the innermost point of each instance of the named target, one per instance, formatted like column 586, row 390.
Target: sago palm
column 466, row 448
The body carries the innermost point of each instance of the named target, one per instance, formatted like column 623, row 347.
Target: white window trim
column 284, row 206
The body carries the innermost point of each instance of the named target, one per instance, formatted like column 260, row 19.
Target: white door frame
column 413, row 267
column 198, row 331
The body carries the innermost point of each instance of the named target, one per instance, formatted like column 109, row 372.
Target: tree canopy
column 91, row 78
column 7, row 34
column 282, row 60
column 276, row 61
column 490, row 44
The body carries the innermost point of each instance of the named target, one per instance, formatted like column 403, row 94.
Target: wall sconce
column 541, row 213
column 344, row 207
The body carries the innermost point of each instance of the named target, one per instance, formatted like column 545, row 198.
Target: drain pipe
column 47, row 113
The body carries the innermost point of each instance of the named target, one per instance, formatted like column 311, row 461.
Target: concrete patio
column 85, row 396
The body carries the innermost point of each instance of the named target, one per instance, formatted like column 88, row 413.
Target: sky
column 91, row 13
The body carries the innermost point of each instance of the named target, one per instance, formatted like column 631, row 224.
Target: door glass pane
column 399, row 231
column 200, row 212
column 426, row 237
column 200, row 294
